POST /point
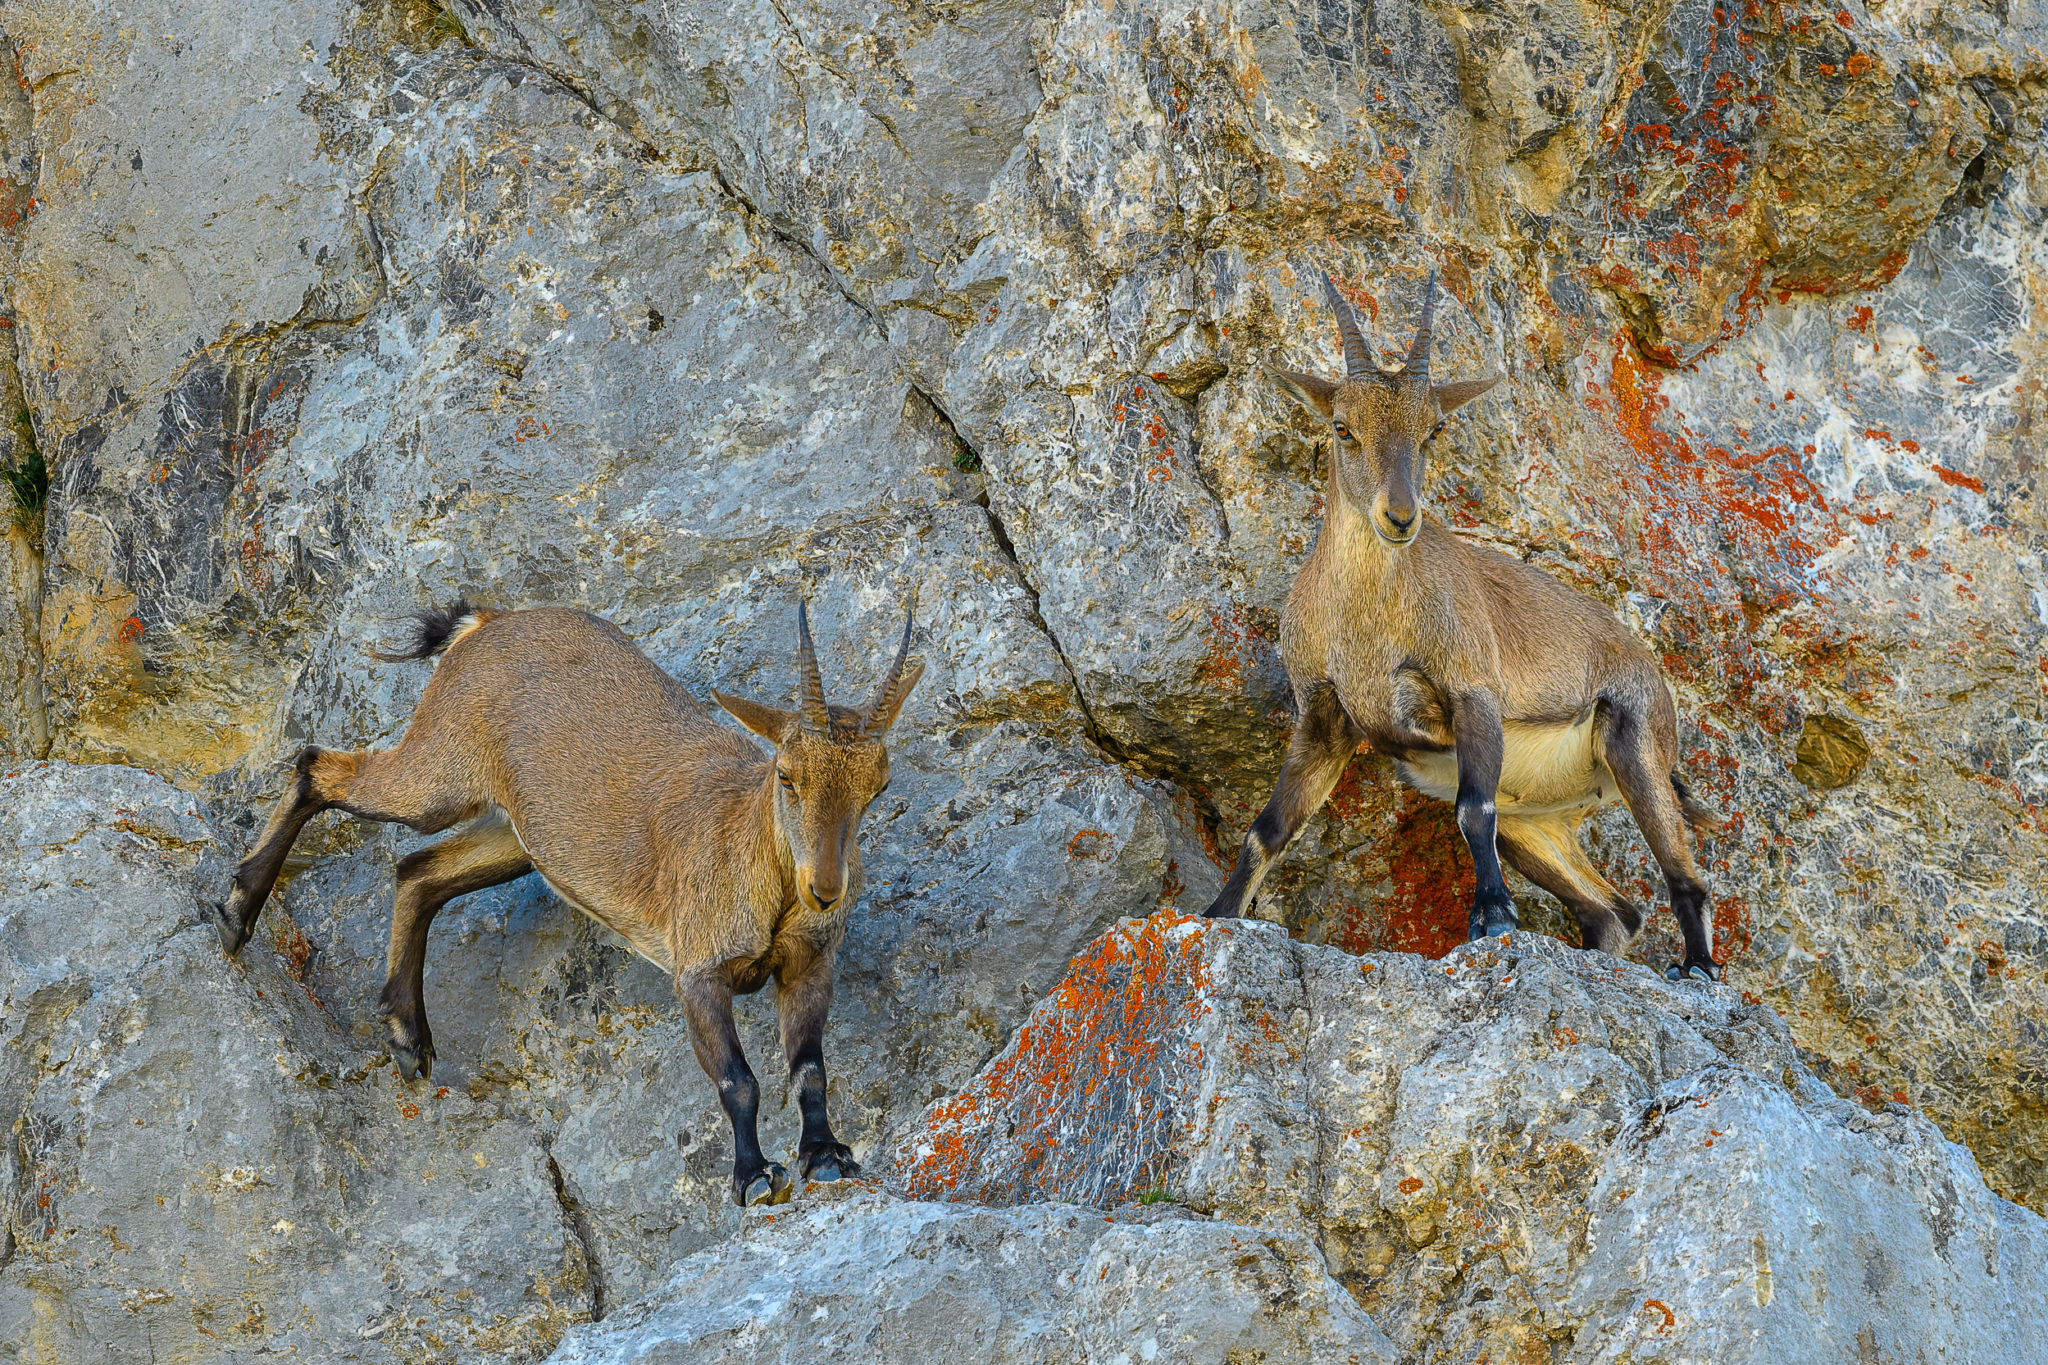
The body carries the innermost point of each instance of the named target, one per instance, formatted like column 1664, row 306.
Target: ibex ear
column 771, row 723
column 1451, row 397
column 1306, row 389
column 890, row 704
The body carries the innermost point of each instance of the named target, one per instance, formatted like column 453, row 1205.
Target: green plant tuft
column 28, row 478
column 1156, row 1195
column 448, row 24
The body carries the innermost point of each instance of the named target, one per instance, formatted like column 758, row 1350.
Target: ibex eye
column 1343, row 432
column 788, row 784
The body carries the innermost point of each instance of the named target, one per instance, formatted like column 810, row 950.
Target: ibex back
column 1489, row 683
column 575, row 756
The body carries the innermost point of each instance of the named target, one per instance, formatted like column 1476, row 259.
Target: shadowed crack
column 578, row 1223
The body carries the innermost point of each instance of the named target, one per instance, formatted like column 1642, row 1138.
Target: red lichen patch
column 1238, row 639
column 296, row 951
column 1728, row 536
column 1955, row 478
column 1089, row 1100
column 1428, row 902
column 1091, row 845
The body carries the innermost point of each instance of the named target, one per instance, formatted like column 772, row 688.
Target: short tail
column 1702, row 820
column 436, row 628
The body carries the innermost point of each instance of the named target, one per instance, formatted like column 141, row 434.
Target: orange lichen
column 1091, row 1095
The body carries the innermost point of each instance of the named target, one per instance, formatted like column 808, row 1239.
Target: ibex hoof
column 829, row 1161
column 1692, row 971
column 227, row 919
column 1492, row 915
column 412, row 1052
column 770, row 1186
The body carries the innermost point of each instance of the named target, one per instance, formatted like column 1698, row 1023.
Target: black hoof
column 1693, row 971
column 770, row 1185
column 227, row 920
column 829, row 1161
column 1492, row 917
column 412, row 1051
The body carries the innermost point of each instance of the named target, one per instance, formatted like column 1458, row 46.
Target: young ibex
column 580, row 759
column 1485, row 679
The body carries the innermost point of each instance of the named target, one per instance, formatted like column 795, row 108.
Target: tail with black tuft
column 435, row 629
column 1702, row 820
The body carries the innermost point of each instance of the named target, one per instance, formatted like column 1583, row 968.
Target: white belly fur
column 1545, row 769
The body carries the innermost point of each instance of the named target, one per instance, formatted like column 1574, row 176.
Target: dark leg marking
column 1481, row 744
column 1322, row 744
column 804, row 1004
column 1642, row 769
column 258, row 873
column 707, row 1004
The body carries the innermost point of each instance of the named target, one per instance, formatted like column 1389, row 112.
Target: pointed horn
column 887, row 699
column 1357, row 355
column 810, row 684
column 1418, row 353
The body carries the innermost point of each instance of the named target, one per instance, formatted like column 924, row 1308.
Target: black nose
column 1399, row 522
column 824, row 901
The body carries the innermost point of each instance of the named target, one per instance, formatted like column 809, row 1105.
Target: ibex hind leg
column 310, row 790
column 392, row 785
column 1546, row 850
column 477, row 858
column 1639, row 744
column 1322, row 744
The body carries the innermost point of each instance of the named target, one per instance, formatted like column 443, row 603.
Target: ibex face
column 1382, row 419
column 830, row 765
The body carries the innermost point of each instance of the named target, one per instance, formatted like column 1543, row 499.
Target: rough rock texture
column 677, row 310
column 1521, row 1152
column 865, row 1277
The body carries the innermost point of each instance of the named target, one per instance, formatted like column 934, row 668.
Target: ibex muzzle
column 1486, row 680
column 574, row 756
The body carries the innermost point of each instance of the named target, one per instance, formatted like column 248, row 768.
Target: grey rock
column 1522, row 1143
column 862, row 1276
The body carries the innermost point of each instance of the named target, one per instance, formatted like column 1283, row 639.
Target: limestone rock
column 678, row 311
column 1519, row 1148
column 858, row 1276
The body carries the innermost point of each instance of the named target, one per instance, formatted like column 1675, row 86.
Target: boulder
column 1520, row 1150
column 855, row 1275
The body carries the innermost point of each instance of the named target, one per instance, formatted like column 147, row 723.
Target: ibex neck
column 1357, row 555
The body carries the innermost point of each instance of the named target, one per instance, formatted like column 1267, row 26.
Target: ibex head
column 1382, row 419
column 830, row 764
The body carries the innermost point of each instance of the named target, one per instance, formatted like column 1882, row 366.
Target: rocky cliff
column 677, row 311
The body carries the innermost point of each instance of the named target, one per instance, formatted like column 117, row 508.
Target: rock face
column 1519, row 1152
column 868, row 1277
column 680, row 311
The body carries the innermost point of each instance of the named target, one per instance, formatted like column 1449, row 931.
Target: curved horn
column 889, row 696
column 810, row 684
column 1418, row 353
column 1357, row 355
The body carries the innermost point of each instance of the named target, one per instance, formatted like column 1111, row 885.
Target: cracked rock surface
column 1520, row 1152
column 679, row 311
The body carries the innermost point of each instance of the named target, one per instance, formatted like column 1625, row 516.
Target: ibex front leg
column 707, row 1004
column 804, row 1003
column 1481, row 743
column 1322, row 744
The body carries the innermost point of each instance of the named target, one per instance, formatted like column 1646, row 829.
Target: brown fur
column 578, row 758
column 1489, row 682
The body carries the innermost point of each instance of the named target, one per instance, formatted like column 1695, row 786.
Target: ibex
column 580, row 759
column 1487, row 681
